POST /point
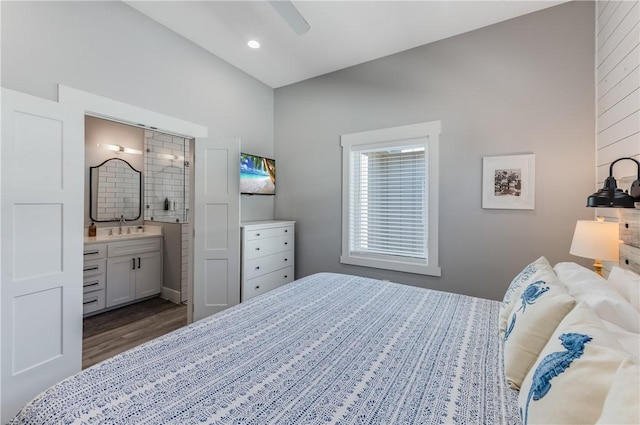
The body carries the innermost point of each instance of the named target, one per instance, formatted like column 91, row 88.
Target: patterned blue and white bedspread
column 327, row 348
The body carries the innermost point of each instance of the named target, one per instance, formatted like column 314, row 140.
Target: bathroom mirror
column 115, row 191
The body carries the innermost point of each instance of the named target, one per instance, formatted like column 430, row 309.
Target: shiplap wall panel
column 625, row 126
column 618, row 97
column 615, row 94
column 626, row 26
column 609, row 27
column 619, row 149
column 612, row 115
column 627, row 65
column 604, row 13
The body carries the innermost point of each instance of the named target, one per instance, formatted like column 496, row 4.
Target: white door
column 41, row 225
column 216, row 259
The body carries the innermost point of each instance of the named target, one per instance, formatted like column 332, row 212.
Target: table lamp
column 597, row 240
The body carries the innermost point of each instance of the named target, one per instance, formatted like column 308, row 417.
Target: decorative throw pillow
column 585, row 285
column 538, row 270
column 573, row 374
column 540, row 308
column 627, row 284
column 621, row 404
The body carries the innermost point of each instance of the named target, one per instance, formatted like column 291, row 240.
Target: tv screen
column 257, row 175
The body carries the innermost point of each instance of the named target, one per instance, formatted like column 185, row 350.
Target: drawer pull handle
column 286, row 259
column 94, row 252
column 133, row 264
column 257, row 234
column 286, row 243
column 286, row 230
column 626, row 262
column 257, row 286
column 88, row 269
column 257, row 267
column 258, row 249
column 138, row 262
column 91, row 284
column 286, row 276
column 90, row 302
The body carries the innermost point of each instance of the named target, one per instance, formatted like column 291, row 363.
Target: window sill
column 385, row 264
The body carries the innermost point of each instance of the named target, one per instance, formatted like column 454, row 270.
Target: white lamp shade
column 596, row 240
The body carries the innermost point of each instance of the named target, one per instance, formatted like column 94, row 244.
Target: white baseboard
column 170, row 295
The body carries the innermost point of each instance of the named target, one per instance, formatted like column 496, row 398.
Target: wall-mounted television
column 257, row 175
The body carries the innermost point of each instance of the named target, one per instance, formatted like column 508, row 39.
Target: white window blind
column 390, row 198
column 388, row 202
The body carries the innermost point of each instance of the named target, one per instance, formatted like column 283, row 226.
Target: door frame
column 103, row 107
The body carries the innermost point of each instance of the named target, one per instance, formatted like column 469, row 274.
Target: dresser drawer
column 261, row 247
column 267, row 264
column 93, row 301
column 94, row 267
column 252, row 234
column 93, row 283
column 95, row 251
column 260, row 285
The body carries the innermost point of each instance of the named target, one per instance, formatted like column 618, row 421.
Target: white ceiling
column 342, row 34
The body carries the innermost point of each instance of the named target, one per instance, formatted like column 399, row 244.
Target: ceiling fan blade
column 291, row 16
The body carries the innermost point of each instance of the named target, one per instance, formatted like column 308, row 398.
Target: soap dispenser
column 92, row 229
column 166, row 204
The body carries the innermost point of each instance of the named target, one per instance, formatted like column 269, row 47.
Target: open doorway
column 137, row 239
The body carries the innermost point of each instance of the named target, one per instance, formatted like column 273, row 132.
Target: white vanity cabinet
column 267, row 256
column 134, row 270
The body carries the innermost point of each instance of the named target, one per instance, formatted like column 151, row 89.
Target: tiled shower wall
column 166, row 177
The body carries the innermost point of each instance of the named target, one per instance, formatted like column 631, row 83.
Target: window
column 390, row 198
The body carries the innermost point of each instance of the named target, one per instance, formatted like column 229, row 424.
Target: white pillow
column 630, row 341
column 627, row 284
column 585, row 285
column 574, row 373
column 621, row 404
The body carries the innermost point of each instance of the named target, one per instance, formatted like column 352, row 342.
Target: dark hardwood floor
column 107, row 334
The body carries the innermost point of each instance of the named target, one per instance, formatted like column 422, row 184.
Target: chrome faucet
column 122, row 221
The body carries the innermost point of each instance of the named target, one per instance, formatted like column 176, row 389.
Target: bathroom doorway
column 164, row 161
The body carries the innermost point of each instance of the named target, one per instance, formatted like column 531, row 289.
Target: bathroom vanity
column 121, row 267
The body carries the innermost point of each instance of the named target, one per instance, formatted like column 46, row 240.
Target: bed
column 327, row 348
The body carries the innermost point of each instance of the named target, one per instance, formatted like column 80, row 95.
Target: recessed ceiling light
column 253, row 44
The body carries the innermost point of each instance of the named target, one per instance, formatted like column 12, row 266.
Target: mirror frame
column 91, row 191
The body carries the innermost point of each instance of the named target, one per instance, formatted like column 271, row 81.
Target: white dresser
column 267, row 256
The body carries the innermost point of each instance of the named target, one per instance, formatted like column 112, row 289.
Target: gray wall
column 524, row 85
column 112, row 50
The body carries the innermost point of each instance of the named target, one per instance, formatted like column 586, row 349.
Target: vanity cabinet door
column 148, row 274
column 121, row 274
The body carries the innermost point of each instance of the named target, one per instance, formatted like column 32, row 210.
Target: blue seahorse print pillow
column 575, row 371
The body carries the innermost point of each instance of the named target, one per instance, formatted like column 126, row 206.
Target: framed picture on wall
column 508, row 182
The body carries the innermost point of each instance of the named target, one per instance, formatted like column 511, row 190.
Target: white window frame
column 390, row 137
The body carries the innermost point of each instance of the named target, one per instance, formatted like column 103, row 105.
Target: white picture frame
column 508, row 182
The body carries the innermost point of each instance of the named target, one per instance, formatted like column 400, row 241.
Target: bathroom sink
column 128, row 232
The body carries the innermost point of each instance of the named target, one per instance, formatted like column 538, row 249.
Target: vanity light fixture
column 119, row 149
column 254, row 44
column 171, row 157
column 612, row 197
